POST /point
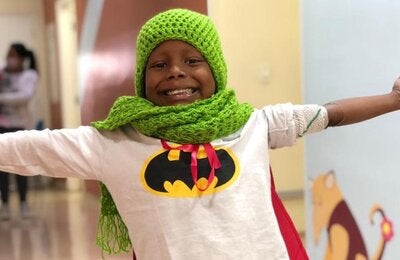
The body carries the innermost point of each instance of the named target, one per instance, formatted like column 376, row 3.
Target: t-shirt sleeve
column 55, row 153
column 287, row 122
column 309, row 119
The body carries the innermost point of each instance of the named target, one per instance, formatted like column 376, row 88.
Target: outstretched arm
column 354, row 110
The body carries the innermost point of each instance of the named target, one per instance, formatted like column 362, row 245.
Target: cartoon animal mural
column 332, row 213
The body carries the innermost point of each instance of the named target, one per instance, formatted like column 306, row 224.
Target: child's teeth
column 179, row 91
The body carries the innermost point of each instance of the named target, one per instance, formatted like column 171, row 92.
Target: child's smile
column 179, row 92
column 177, row 73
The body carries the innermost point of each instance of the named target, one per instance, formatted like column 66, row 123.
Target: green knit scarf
column 199, row 122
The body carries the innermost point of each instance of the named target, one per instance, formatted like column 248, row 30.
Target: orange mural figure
column 332, row 213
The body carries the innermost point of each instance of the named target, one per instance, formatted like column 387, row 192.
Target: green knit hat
column 185, row 25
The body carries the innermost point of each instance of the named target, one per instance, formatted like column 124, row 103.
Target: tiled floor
column 62, row 227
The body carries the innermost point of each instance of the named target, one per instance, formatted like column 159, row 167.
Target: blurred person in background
column 18, row 82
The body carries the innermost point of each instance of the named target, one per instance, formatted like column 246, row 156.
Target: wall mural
column 332, row 214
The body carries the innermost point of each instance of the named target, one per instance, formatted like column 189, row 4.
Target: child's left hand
column 396, row 88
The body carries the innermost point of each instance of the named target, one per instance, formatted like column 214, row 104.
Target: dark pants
column 22, row 181
column 22, row 185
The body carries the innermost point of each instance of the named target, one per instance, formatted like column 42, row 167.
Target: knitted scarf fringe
column 112, row 233
column 199, row 122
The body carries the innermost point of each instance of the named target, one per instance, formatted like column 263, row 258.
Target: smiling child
column 186, row 164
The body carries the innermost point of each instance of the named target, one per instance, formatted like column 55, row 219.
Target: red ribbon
column 193, row 149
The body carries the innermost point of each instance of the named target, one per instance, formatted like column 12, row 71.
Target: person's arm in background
column 26, row 90
column 354, row 110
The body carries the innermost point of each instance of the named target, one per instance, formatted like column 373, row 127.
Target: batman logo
column 168, row 173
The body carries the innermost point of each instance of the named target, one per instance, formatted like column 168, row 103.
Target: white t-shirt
column 16, row 94
column 166, row 215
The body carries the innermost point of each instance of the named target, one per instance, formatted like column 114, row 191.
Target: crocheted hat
column 185, row 25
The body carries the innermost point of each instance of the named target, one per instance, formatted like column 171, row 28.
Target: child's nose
column 176, row 71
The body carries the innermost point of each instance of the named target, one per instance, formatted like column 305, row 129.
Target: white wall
column 24, row 34
column 352, row 48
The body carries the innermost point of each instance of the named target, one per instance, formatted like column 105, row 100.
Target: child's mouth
column 179, row 92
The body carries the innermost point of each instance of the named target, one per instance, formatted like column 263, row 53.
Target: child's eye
column 158, row 65
column 193, row 61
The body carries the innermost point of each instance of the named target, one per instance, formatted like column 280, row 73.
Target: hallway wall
column 261, row 43
column 351, row 49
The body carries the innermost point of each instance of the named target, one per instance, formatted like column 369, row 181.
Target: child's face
column 14, row 60
column 176, row 73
